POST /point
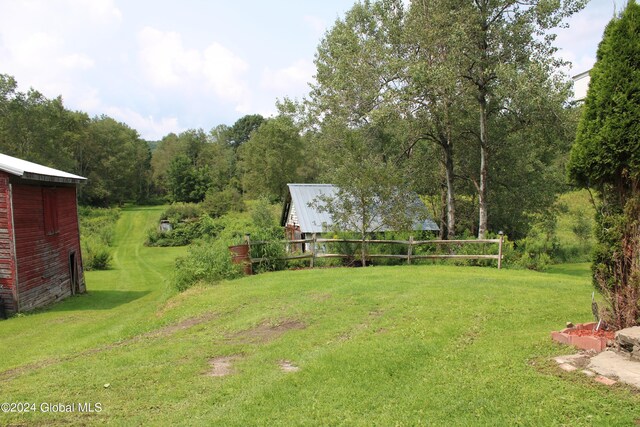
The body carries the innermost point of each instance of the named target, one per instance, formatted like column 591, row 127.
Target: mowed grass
column 120, row 302
column 411, row 345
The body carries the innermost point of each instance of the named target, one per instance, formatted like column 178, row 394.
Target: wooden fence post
column 313, row 250
column 500, row 250
column 410, row 250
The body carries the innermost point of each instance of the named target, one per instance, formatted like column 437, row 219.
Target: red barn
column 40, row 260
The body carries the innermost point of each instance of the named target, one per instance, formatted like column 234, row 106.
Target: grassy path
column 120, row 302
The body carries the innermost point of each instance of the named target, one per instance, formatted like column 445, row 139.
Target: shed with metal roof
column 40, row 259
column 301, row 216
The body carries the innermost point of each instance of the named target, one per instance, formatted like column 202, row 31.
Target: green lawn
column 408, row 345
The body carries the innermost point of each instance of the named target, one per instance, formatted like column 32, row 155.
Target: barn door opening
column 73, row 273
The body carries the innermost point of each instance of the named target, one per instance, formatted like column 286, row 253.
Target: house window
column 50, row 207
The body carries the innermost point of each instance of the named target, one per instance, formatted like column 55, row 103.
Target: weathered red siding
column 7, row 267
column 43, row 269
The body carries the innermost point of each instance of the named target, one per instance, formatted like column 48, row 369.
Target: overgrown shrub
column 95, row 254
column 267, row 229
column 270, row 252
column 389, row 248
column 209, row 259
column 179, row 212
column 539, row 249
column 206, row 261
column 96, row 236
column 219, row 202
column 185, row 226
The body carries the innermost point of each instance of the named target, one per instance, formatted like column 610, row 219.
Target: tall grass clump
column 209, row 260
column 97, row 230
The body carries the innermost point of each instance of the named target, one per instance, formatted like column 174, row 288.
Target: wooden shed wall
column 44, row 273
column 7, row 265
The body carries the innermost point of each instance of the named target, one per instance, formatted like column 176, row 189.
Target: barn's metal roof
column 311, row 220
column 34, row 171
column 305, row 197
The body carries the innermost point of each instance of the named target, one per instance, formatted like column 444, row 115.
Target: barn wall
column 44, row 274
column 7, row 264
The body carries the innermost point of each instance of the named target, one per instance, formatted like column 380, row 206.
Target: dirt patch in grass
column 19, row 370
column 376, row 313
column 265, row 332
column 180, row 326
column 366, row 324
column 222, row 366
column 163, row 332
column 288, row 366
column 320, row 297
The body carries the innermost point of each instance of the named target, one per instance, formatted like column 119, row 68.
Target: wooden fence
column 314, row 254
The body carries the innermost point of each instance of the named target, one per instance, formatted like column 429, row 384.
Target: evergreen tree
column 606, row 156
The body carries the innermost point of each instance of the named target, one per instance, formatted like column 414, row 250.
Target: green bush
column 206, row 261
column 219, row 202
column 96, row 236
column 209, row 260
column 185, row 227
column 99, row 259
column 272, row 250
column 179, row 212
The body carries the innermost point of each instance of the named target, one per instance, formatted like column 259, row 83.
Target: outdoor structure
column 581, row 85
column 40, row 260
column 301, row 219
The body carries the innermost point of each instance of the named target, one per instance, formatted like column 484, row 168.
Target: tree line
column 110, row 154
column 458, row 101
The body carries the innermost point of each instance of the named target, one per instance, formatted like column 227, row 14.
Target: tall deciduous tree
column 497, row 40
column 606, row 156
column 117, row 163
column 271, row 158
column 241, row 130
column 372, row 194
column 186, row 181
column 435, row 90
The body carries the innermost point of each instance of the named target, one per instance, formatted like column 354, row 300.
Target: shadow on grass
column 98, row 300
column 576, row 270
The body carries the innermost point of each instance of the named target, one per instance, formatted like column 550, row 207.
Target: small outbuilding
column 40, row 259
column 301, row 217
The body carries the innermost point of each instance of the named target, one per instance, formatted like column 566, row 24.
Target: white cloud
column 222, row 69
column 42, row 44
column 169, row 64
column 579, row 42
column 318, row 25
column 98, row 11
column 164, row 59
column 291, row 80
column 147, row 126
column 76, row 61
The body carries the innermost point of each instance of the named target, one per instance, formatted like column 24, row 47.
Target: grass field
column 408, row 345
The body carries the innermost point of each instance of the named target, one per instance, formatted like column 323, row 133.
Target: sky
column 164, row 66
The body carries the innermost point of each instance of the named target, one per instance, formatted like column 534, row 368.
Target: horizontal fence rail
column 313, row 253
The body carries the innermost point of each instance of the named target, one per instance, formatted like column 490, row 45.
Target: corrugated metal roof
column 34, row 171
column 311, row 220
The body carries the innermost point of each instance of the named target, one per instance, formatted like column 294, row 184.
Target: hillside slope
column 383, row 345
